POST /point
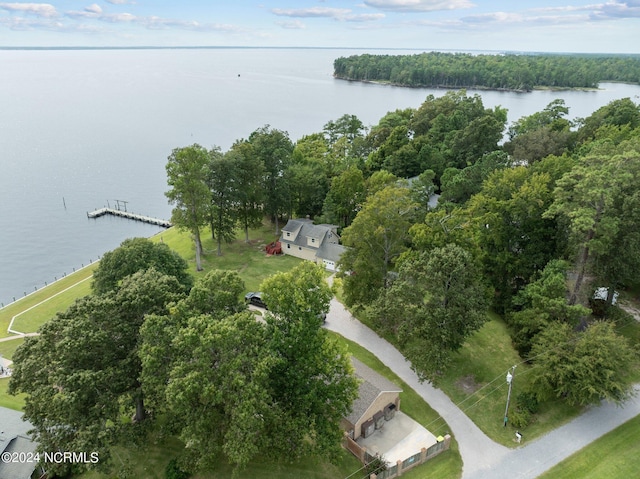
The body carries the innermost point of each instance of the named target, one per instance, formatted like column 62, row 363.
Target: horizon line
column 270, row 47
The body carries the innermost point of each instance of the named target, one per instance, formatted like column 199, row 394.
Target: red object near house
column 274, row 248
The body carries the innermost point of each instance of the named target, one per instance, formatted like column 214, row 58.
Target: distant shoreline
column 475, row 88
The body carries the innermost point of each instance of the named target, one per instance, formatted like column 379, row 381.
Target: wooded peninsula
column 496, row 72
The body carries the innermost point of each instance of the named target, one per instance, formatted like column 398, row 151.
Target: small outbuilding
column 378, row 401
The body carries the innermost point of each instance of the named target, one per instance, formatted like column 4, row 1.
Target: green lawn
column 614, row 455
column 477, row 382
column 7, row 349
column 150, row 463
column 6, row 400
column 53, row 297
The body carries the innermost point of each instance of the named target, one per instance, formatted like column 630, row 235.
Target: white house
column 317, row 243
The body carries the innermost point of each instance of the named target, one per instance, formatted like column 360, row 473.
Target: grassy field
column 476, row 381
column 43, row 304
column 7, row 349
column 247, row 259
column 614, row 455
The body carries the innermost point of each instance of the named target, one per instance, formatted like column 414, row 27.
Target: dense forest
column 509, row 72
column 529, row 229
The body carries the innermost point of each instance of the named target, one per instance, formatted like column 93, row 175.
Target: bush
column 520, row 418
column 173, row 471
column 527, row 401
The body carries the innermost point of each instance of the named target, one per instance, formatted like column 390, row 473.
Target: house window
column 288, row 234
column 288, row 246
column 299, row 248
column 313, row 240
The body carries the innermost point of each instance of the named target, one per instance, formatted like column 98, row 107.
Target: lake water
column 82, row 128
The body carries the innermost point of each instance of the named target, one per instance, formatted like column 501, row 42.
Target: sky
column 612, row 26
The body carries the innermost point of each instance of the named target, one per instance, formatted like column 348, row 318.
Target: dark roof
column 293, row 225
column 372, row 385
column 14, row 438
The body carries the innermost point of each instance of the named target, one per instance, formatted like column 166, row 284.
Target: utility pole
column 510, row 383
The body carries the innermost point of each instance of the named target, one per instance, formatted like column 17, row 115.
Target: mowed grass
column 476, row 381
column 7, row 348
column 614, row 455
column 46, row 302
column 249, row 260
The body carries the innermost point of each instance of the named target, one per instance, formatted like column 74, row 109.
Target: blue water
column 83, row 128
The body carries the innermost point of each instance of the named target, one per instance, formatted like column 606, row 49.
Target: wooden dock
column 132, row 216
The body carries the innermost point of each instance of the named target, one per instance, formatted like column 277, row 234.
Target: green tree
column 216, row 295
column 377, row 236
column 582, row 367
column 589, row 198
column 541, row 302
column 308, row 187
column 273, row 148
column 312, row 379
column 219, row 389
column 460, row 185
column 246, row 388
column 345, row 197
column 250, row 188
column 222, row 179
column 514, row 238
column 82, row 372
column 186, row 174
column 437, row 301
column 138, row 254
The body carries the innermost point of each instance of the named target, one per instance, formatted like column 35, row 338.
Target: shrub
column 173, row 471
column 520, row 418
column 527, row 401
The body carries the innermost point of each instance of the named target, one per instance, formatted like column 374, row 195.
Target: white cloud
column 364, row 17
column 314, row 12
column 418, row 5
column 45, row 10
column 616, row 9
column 120, row 2
column 95, row 8
column 292, row 25
column 340, row 14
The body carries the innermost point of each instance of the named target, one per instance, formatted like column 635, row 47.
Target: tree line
column 521, row 72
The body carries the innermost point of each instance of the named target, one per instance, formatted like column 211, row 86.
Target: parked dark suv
column 255, row 298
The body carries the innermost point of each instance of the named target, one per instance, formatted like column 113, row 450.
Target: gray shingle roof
column 372, row 385
column 330, row 251
column 294, row 225
column 14, row 438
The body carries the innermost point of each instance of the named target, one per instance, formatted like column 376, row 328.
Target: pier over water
column 132, row 216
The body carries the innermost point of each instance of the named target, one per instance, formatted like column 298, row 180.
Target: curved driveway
column 481, row 456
